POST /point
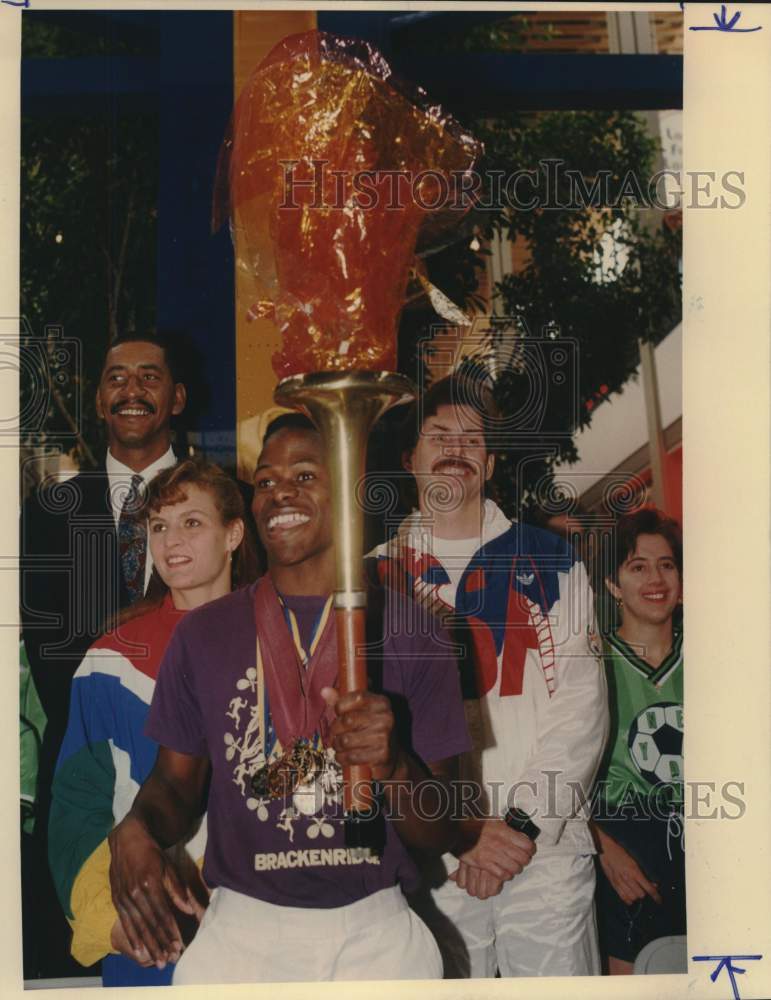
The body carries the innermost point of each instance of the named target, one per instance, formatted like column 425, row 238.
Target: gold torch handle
column 352, row 676
column 344, row 407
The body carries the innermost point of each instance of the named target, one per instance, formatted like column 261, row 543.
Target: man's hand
column 624, row 874
column 120, row 943
column 191, row 877
column 363, row 732
column 495, row 848
column 476, row 881
column 144, row 885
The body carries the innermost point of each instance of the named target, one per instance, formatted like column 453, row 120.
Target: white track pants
column 541, row 924
column 243, row 940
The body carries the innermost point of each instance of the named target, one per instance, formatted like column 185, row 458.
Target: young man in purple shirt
column 245, row 703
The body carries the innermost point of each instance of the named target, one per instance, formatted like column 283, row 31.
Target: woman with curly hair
column 200, row 549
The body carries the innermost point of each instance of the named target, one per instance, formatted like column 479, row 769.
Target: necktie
column 132, row 540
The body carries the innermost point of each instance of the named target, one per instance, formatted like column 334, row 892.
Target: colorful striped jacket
column 104, row 758
column 523, row 616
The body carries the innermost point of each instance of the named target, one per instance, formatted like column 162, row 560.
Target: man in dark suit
column 83, row 555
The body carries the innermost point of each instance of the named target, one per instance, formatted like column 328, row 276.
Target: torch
column 318, row 136
column 344, row 406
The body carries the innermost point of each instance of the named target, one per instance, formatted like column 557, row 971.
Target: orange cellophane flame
column 323, row 179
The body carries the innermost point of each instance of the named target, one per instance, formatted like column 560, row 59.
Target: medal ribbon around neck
column 317, row 631
column 294, row 677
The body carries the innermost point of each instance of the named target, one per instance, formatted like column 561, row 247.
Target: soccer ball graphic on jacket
column 656, row 743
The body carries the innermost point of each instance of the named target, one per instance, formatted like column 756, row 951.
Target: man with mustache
column 84, row 555
column 246, row 711
column 516, row 895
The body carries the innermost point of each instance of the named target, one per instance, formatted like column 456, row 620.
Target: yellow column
column 254, row 35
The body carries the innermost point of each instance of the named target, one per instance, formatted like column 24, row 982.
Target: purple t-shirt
column 208, row 702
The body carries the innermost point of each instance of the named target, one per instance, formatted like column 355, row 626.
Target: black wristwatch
column 518, row 820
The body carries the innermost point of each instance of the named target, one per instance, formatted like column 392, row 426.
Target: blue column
column 195, row 268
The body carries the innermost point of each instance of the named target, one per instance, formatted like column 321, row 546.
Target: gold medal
column 279, row 779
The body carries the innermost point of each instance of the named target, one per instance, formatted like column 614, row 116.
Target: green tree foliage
column 597, row 268
column 604, row 274
column 88, row 194
column 593, row 268
column 88, row 246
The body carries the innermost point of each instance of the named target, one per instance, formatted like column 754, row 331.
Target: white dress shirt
column 119, row 476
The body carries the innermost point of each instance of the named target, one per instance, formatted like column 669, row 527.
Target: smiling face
column 191, row 547
column 451, row 446
column 648, row 584
column 136, row 399
column 293, row 512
